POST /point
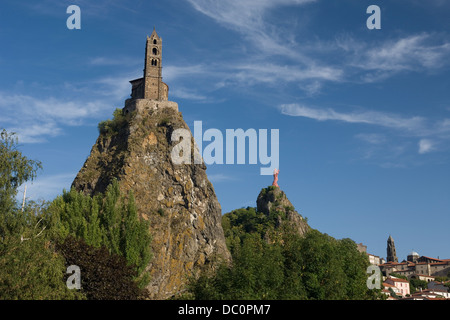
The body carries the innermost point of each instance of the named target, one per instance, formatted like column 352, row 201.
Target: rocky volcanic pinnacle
column 274, row 199
column 178, row 200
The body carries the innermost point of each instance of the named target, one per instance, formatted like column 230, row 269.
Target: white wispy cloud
column 443, row 126
column 176, row 72
column 220, row 177
column 312, row 87
column 432, row 134
column 271, row 73
column 378, row 61
column 408, row 53
column 372, row 138
column 343, row 59
column 115, row 88
column 249, row 18
column 36, row 132
column 28, row 106
column 184, row 93
column 114, row 61
column 98, row 8
column 247, row 74
column 36, row 119
column 411, row 124
column 241, row 15
column 426, row 146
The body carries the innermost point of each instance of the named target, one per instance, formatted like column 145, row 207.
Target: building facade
column 426, row 270
column 402, row 285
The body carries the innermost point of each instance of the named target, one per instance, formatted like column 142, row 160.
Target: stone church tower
column 150, row 92
column 391, row 253
column 154, row 88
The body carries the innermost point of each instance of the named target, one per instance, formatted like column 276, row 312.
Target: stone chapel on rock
column 150, row 92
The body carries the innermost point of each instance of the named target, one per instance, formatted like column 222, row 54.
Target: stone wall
column 146, row 105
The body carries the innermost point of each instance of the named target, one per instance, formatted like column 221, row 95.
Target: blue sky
column 364, row 115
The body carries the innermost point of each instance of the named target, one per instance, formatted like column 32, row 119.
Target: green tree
column 417, row 284
column 32, row 270
column 111, row 217
column 110, row 220
column 104, row 275
column 136, row 241
column 442, row 279
column 275, row 262
column 400, row 276
column 30, row 267
column 355, row 265
column 15, row 169
column 256, row 273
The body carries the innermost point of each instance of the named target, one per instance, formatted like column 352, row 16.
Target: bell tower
column 150, row 92
column 391, row 252
column 154, row 88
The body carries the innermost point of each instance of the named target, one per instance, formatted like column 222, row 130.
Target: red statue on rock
column 275, row 177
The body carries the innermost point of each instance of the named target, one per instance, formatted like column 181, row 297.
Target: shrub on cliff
column 111, row 127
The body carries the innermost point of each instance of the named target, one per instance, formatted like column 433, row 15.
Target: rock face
column 273, row 199
column 178, row 200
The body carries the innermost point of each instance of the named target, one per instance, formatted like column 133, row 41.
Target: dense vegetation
column 104, row 276
column 314, row 266
column 107, row 220
column 417, row 285
column 112, row 126
column 103, row 235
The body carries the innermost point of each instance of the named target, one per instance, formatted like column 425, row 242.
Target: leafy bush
column 400, row 276
column 112, row 127
column 417, row 284
column 32, row 270
column 103, row 275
